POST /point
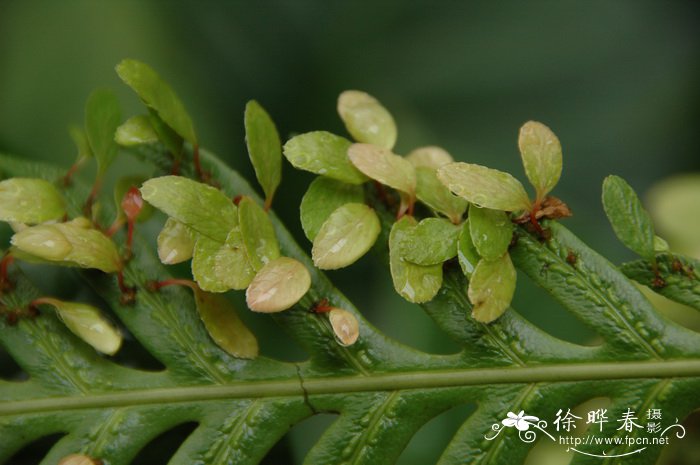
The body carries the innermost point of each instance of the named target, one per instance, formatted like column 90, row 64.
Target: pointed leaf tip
column 323, row 153
column 540, row 150
column 102, row 118
column 278, row 286
column 366, row 119
column 158, row 95
column 264, row 147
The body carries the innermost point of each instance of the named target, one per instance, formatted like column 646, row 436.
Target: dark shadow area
column 34, row 452
column 428, row 444
column 161, row 449
column 9, row 370
column 542, row 310
column 302, row 437
column 685, row 451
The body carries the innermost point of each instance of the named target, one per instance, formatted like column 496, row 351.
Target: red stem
column 158, row 285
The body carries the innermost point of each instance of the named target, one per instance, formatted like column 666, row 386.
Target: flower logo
column 521, row 421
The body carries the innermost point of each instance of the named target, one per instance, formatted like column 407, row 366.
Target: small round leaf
column 257, row 233
column 175, row 243
column 491, row 231
column 629, row 219
column 485, row 187
column 347, row 234
column 345, row 326
column 137, row 130
column 435, row 195
column 491, row 288
column 30, row 201
column 264, row 147
column 321, row 199
column 323, row 153
column 383, row 166
column 541, row 154
column 366, row 119
column 429, row 157
column 430, row 242
column 278, row 286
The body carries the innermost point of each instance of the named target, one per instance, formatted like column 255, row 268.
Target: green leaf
column 323, row 153
column 80, row 139
column 218, row 267
column 102, row 118
column 30, row 201
column 383, row 166
column 541, row 154
column 224, row 325
column 660, row 244
column 201, row 207
column 429, row 157
column 88, row 323
column 69, row 244
column 264, row 148
column 158, row 95
column 347, row 234
column 136, row 130
column 257, row 233
column 680, row 277
column 491, row 231
column 435, row 195
column 279, row 285
column 121, row 187
column 172, row 141
column 485, row 187
column 414, row 283
column 629, row 219
column 466, row 252
column 175, row 243
column 491, row 288
column 430, row 242
column 366, row 119
column 324, row 196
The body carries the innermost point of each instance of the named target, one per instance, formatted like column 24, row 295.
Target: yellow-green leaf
column 323, row 153
column 136, row 130
column 30, row 201
column 219, row 267
column 79, row 137
column 430, row 242
column 175, row 243
column 225, row 327
column 491, row 231
column 484, row 187
column 88, row 323
column 383, row 166
column 366, row 119
column 264, row 148
column 435, row 195
column 541, row 154
column 629, row 219
column 257, row 233
column 172, row 141
column 321, row 199
column 414, row 283
column 345, row 326
column 158, row 95
column 278, row 286
column 347, row 234
column 102, row 118
column 491, row 288
column 69, row 244
column 429, row 157
column 203, row 208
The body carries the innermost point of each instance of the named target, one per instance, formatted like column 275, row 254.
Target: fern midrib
column 420, row 379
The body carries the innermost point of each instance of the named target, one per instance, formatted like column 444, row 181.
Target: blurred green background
column 617, row 81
